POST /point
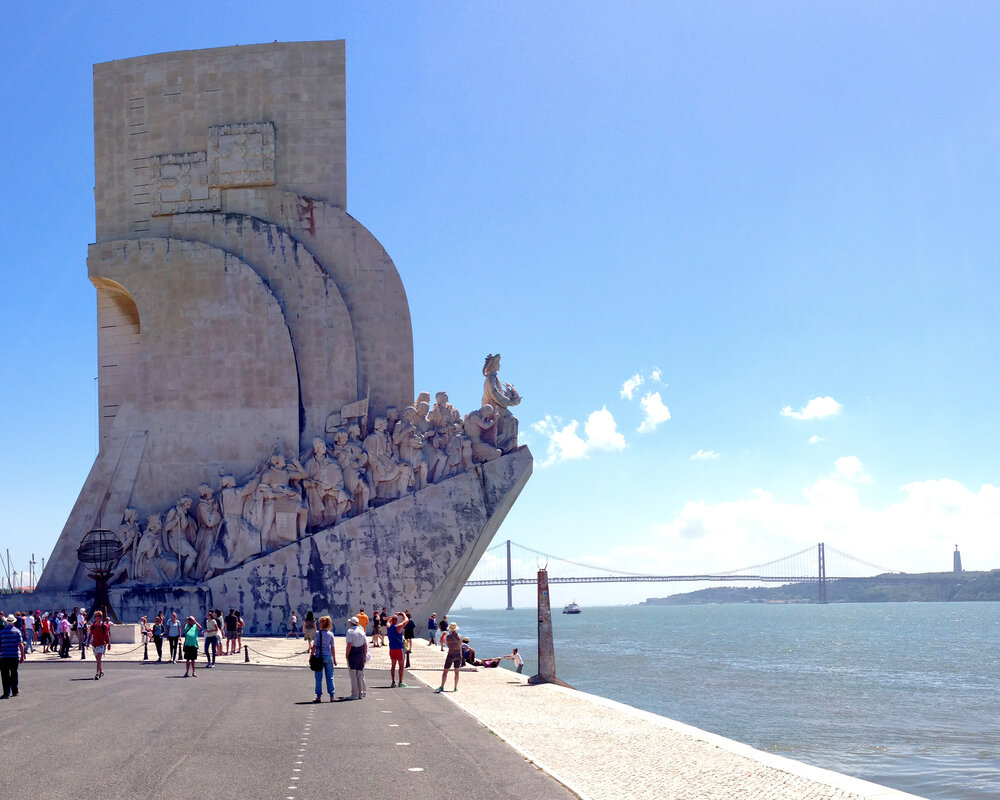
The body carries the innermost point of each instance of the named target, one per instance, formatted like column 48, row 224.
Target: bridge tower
column 510, row 585
column 822, row 574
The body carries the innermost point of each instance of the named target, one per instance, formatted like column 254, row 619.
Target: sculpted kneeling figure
column 479, row 427
column 501, row 397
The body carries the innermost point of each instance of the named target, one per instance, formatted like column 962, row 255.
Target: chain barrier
column 276, row 658
column 120, row 653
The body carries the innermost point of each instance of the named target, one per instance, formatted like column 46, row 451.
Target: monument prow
column 262, row 447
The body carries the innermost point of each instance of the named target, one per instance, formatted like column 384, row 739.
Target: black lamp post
column 100, row 552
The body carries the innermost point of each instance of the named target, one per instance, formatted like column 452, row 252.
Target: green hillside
column 891, row 588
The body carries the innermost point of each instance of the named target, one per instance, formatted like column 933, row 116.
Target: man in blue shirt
column 11, row 654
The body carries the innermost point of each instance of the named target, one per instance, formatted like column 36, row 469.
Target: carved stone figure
column 391, row 419
column 453, row 456
column 148, row 553
column 443, row 415
column 179, row 533
column 128, row 532
column 420, row 418
column 352, row 461
column 479, row 427
column 436, row 452
column 282, row 512
column 409, row 443
column 240, row 539
column 326, row 494
column 501, row 397
column 390, row 476
column 209, row 522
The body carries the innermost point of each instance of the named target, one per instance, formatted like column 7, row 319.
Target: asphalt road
column 245, row 731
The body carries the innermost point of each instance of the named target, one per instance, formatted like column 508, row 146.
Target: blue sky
column 748, row 206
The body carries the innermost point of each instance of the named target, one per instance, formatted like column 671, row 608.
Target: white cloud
column 565, row 444
column 917, row 533
column 705, row 455
column 656, row 412
column 817, row 408
column 602, row 432
column 656, row 376
column 814, row 439
column 629, row 387
column 851, row 469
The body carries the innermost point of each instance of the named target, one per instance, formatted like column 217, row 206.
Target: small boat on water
column 572, row 608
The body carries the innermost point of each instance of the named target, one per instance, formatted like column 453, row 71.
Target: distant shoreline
column 933, row 587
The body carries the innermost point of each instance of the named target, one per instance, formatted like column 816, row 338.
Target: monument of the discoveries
column 262, row 445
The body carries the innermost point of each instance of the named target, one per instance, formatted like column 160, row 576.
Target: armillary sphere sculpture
column 99, row 552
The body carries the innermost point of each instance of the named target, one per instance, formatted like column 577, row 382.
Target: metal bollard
column 246, row 654
column 145, row 651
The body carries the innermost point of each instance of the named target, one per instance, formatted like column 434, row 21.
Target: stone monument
column 255, row 350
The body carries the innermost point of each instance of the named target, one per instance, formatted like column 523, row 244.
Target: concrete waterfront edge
column 848, row 783
column 781, row 764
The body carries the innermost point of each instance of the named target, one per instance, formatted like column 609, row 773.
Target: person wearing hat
column 357, row 654
column 454, row 658
column 190, row 633
column 11, row 654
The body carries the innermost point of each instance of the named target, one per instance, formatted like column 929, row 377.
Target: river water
column 903, row 694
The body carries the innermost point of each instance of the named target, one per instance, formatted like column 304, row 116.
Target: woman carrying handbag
column 323, row 658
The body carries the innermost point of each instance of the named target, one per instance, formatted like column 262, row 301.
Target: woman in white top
column 322, row 645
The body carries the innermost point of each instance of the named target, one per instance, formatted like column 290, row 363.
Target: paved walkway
column 603, row 749
column 596, row 747
column 244, row 731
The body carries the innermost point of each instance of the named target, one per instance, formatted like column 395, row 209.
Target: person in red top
column 100, row 640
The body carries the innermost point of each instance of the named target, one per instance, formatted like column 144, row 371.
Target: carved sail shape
column 261, row 445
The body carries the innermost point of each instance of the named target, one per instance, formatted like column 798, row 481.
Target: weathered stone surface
column 255, row 352
column 416, row 552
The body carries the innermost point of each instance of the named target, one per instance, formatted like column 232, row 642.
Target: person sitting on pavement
column 468, row 654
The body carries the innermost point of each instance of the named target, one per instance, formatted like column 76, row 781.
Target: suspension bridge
column 806, row 566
